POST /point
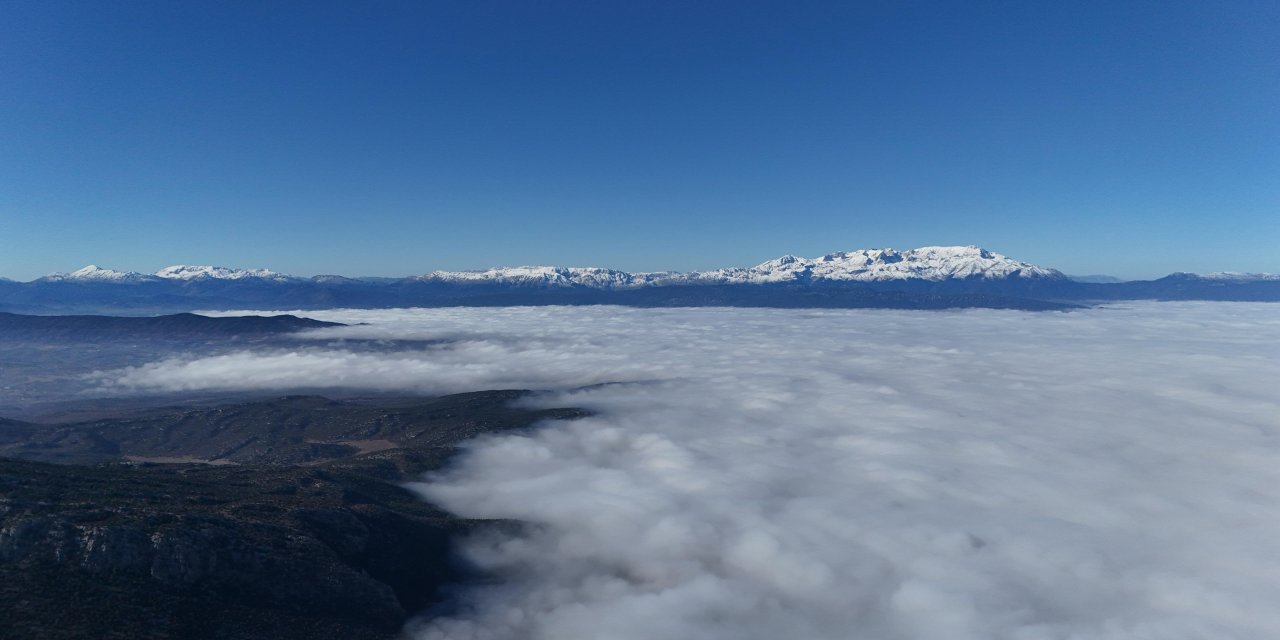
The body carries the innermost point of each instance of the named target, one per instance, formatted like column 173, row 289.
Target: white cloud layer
column 1104, row 474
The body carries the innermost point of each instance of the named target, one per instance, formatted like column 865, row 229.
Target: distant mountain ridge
column 1232, row 276
column 94, row 273
column 865, row 265
column 934, row 277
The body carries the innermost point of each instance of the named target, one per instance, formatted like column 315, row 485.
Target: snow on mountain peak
column 597, row 277
column 864, row 265
column 872, row 265
column 1238, row 276
column 194, row 272
column 94, row 273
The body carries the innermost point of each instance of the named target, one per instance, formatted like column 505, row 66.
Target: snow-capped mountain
column 192, row 272
column 879, row 265
column 866, row 265
column 594, row 277
column 923, row 278
column 94, row 273
column 921, row 265
column 1236, row 276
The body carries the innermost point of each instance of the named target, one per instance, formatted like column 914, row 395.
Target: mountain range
column 926, row 277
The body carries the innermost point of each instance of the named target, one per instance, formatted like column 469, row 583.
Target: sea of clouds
column 1111, row 473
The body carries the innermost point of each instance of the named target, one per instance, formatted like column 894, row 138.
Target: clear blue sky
column 392, row 138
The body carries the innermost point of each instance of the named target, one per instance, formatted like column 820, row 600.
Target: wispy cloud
column 1108, row 473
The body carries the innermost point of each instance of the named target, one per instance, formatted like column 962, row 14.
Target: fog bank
column 1108, row 473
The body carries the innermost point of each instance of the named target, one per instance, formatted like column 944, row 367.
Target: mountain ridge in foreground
column 183, row 325
column 282, row 518
column 933, row 277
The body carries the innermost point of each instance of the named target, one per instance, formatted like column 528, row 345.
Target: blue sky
column 383, row 138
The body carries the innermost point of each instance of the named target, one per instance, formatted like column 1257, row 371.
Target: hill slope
column 313, row 537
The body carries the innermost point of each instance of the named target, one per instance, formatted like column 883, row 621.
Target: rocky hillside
column 311, row 537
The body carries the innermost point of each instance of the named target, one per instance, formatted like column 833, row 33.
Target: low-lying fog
column 1104, row 474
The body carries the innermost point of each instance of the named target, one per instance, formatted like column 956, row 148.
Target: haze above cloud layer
column 1103, row 474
